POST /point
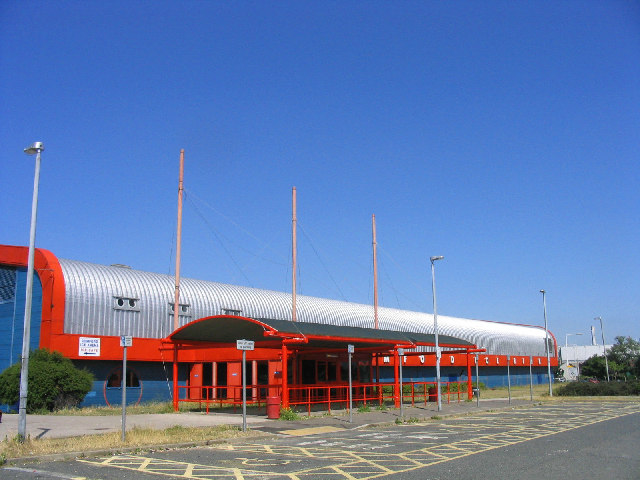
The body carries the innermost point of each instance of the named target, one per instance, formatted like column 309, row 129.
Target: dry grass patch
column 519, row 391
column 153, row 407
column 135, row 438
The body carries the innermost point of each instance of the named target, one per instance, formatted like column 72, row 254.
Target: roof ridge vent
column 120, row 265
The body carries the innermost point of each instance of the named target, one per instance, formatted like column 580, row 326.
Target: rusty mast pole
column 375, row 273
column 176, row 301
column 294, row 249
column 176, row 304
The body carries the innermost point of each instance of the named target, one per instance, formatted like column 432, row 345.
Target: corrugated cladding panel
column 92, row 290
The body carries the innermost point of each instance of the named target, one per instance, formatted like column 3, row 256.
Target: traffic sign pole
column 125, row 341
column 244, row 345
column 350, row 350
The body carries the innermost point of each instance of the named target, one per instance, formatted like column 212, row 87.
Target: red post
column 285, row 386
column 396, row 375
column 175, row 377
column 469, row 381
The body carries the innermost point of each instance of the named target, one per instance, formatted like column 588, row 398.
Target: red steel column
column 285, row 386
column 396, row 376
column 175, row 378
column 469, row 382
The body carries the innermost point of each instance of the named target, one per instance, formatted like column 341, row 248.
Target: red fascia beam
column 346, row 340
column 321, row 351
column 199, row 344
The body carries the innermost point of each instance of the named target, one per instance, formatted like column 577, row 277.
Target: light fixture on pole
column 435, row 328
column 34, row 149
column 604, row 347
column 546, row 340
column 566, row 338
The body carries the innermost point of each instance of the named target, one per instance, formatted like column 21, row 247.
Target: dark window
column 332, row 377
column 322, row 372
column 126, row 303
column 115, row 379
column 184, row 309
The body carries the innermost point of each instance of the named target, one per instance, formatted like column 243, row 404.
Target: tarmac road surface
column 569, row 440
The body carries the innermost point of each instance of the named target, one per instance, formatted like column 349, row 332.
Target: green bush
column 53, row 383
column 598, row 389
column 288, row 414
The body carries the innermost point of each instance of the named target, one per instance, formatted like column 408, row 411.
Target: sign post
column 125, row 341
column 350, row 351
column 244, row 345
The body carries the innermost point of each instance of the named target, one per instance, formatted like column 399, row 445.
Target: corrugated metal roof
column 92, row 292
column 228, row 329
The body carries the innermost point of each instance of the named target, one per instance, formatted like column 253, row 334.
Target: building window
column 231, row 311
column 184, row 310
column 115, row 379
column 126, row 303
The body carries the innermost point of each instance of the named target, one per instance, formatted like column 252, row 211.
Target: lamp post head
column 35, row 147
column 433, row 259
column 543, row 291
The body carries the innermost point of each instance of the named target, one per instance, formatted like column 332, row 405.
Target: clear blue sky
column 502, row 135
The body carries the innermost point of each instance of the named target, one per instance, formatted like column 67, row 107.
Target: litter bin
column 476, row 392
column 273, row 407
column 433, row 394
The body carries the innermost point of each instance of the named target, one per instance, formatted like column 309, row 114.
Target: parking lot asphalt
column 57, row 426
column 566, row 438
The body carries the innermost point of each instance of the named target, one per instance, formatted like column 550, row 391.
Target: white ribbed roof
column 92, row 292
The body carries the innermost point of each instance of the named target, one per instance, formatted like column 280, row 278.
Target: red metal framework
column 285, row 345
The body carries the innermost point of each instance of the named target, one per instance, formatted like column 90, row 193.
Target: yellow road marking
column 367, row 465
column 311, row 431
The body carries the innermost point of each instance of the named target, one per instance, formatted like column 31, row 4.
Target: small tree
column 626, row 353
column 53, row 382
column 595, row 367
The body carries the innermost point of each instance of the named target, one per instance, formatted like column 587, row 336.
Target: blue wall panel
column 156, row 383
column 13, row 285
column 490, row 376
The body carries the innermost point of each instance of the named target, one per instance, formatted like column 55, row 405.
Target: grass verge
column 136, row 438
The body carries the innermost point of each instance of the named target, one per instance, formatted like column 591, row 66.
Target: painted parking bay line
column 301, row 432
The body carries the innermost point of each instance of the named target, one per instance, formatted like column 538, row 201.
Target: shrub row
column 53, row 383
column 599, row 389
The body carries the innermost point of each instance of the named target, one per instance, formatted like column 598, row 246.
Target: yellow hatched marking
column 144, row 464
column 300, row 432
column 368, row 465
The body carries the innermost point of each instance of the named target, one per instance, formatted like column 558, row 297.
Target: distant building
column 573, row 355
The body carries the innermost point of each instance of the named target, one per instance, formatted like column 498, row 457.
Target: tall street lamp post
column 546, row 341
column 604, row 347
column 34, row 149
column 435, row 328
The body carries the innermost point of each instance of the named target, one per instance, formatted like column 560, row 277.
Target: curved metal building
column 83, row 309
column 117, row 300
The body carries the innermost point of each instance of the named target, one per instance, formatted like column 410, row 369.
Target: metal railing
column 330, row 395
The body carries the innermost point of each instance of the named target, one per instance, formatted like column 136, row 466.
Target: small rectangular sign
column 350, row 349
column 244, row 344
column 88, row 347
column 126, row 341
